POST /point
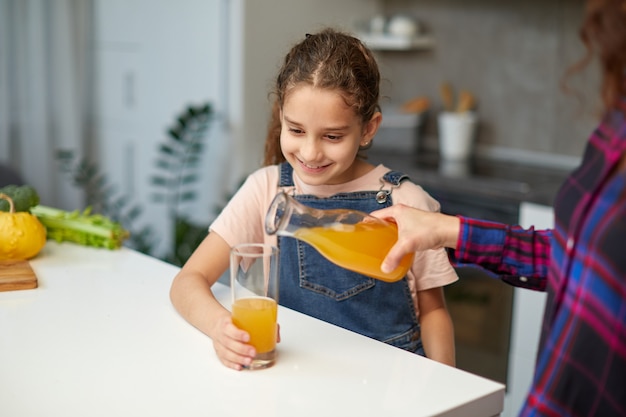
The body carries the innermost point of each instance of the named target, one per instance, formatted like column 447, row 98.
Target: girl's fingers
column 231, row 346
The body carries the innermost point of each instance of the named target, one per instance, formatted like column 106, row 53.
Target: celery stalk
column 81, row 227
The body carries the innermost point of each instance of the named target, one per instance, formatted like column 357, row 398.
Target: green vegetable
column 79, row 227
column 24, row 197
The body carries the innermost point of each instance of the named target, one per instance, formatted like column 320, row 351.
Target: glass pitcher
column 349, row 238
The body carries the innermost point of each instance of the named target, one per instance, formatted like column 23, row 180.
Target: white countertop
column 99, row 337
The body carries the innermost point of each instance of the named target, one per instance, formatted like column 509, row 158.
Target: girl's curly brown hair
column 330, row 60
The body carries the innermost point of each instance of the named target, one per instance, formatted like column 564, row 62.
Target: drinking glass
column 254, row 289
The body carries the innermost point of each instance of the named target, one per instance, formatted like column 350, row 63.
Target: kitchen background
column 134, row 76
column 139, row 64
column 512, row 55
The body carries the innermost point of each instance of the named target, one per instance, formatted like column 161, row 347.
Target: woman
column 581, row 263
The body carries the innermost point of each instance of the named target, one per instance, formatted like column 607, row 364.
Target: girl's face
column 321, row 135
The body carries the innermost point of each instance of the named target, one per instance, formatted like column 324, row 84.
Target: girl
column 326, row 115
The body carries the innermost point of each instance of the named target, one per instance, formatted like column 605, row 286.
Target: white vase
column 456, row 135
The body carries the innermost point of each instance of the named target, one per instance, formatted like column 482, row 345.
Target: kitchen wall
column 512, row 54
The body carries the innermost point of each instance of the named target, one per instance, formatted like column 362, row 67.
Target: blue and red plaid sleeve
column 516, row 255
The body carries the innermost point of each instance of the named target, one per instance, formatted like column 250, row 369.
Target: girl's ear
column 370, row 128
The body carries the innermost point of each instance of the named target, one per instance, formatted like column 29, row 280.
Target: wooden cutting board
column 16, row 275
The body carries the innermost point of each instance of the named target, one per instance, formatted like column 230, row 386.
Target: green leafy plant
column 175, row 182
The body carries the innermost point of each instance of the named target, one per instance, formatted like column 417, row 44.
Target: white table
column 99, row 337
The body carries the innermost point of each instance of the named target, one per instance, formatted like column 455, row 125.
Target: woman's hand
column 418, row 230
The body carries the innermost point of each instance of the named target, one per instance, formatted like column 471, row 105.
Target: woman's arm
column 518, row 256
column 436, row 326
column 507, row 251
column 191, row 295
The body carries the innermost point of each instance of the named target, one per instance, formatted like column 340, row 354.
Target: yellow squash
column 22, row 235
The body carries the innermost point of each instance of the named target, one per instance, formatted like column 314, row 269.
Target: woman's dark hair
column 329, row 60
column 603, row 33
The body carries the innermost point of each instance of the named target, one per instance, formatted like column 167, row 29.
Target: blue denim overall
column 311, row 284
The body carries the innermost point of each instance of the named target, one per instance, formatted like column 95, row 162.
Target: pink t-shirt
column 243, row 218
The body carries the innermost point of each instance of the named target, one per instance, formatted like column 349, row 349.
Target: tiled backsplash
column 513, row 56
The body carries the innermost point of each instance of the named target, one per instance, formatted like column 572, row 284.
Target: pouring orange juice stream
column 351, row 239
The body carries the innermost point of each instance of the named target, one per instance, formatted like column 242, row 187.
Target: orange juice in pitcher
column 351, row 239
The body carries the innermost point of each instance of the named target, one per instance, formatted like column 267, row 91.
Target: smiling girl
column 326, row 115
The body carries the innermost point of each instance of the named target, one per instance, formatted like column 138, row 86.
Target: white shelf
column 387, row 42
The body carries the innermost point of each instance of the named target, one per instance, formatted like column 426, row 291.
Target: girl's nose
column 310, row 148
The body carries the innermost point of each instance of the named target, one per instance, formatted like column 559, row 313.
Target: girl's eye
column 296, row 131
column 333, row 137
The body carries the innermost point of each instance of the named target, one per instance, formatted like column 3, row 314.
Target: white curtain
column 45, row 93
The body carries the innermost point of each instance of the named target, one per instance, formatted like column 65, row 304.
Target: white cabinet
column 153, row 59
column 528, row 308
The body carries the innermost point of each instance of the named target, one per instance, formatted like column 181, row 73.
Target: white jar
column 403, row 26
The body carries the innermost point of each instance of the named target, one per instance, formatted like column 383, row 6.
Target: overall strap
column 395, row 177
column 286, row 175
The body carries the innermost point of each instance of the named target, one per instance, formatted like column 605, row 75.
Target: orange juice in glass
column 257, row 316
column 254, row 290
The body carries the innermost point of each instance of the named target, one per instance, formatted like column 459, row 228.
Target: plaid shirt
column 581, row 362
